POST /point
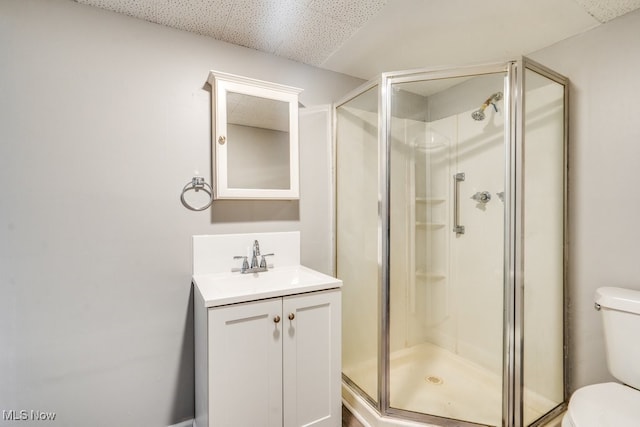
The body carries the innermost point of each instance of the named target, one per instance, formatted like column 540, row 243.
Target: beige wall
column 603, row 66
column 103, row 120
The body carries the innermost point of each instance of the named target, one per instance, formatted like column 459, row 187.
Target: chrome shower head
column 478, row 114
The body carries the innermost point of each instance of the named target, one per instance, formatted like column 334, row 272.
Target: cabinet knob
column 276, row 319
column 292, row 316
column 222, row 139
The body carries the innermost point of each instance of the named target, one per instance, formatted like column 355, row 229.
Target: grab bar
column 457, row 228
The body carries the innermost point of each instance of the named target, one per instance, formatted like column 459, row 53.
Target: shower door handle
column 457, row 228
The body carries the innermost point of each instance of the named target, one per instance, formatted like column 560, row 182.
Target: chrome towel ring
column 197, row 183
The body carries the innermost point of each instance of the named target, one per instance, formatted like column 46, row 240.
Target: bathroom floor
column 429, row 379
column 348, row 419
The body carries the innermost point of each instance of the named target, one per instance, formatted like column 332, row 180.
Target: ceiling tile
column 260, row 24
column 409, row 34
column 313, row 37
column 355, row 12
column 365, row 37
column 143, row 9
column 606, row 10
column 206, row 17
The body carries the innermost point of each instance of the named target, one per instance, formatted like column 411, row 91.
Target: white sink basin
column 230, row 288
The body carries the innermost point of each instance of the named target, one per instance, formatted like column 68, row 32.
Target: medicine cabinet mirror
column 255, row 138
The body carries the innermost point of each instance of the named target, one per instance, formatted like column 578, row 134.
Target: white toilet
column 613, row 404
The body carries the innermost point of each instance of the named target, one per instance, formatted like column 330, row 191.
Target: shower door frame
column 384, row 138
column 513, row 277
column 513, row 412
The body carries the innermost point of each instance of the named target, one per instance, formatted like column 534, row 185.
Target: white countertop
column 229, row 288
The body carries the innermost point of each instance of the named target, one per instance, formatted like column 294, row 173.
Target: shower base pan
column 431, row 380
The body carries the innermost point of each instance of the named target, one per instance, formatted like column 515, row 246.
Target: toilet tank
column 620, row 310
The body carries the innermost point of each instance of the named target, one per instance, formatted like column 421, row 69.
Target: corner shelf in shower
column 427, row 218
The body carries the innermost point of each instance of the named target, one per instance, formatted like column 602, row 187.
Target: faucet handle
column 245, row 263
column 263, row 262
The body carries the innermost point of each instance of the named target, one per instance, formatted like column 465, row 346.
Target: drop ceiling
column 363, row 38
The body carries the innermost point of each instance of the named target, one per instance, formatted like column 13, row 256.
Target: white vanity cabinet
column 276, row 362
column 272, row 362
column 267, row 344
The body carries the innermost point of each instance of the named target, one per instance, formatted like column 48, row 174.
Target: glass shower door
column 357, row 229
column 446, row 247
column 544, row 216
column 450, row 220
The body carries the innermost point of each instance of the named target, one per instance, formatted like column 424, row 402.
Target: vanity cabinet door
column 245, row 360
column 312, row 359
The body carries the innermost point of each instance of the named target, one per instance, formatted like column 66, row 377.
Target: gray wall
column 604, row 67
column 103, row 120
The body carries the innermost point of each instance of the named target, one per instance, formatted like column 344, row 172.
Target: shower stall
column 451, row 243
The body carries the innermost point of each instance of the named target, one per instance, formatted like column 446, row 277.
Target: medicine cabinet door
column 255, row 138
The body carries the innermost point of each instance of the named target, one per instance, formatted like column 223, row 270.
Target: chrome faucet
column 256, row 254
column 255, row 267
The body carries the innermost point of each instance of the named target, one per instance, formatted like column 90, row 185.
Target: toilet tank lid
column 619, row 299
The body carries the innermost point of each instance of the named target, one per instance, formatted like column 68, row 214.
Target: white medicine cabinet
column 255, row 138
